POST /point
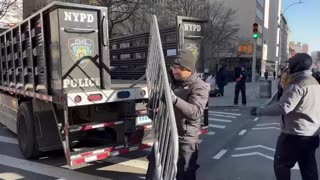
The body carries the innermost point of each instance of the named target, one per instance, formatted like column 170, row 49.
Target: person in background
column 300, row 126
column 266, row 74
column 211, row 79
column 240, row 87
column 221, row 80
column 284, row 82
column 274, row 75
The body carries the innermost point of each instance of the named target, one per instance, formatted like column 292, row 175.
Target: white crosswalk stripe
column 217, row 126
column 220, row 120
column 222, row 115
column 227, row 113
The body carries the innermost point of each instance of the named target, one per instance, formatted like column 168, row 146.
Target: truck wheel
column 26, row 131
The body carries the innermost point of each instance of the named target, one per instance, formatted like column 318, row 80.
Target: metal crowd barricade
column 166, row 143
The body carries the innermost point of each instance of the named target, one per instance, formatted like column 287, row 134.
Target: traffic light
column 255, row 31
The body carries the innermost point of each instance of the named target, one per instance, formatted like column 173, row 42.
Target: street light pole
column 254, row 62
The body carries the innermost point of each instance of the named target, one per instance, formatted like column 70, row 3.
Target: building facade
column 265, row 13
column 298, row 47
column 284, row 47
column 316, row 60
column 305, row 48
column 271, row 34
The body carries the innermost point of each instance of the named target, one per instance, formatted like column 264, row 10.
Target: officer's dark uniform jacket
column 192, row 97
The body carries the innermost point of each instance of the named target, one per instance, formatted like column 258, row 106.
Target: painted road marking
column 268, row 124
column 211, row 133
column 218, row 112
column 219, row 120
column 256, row 119
column 8, row 140
column 256, row 146
column 296, row 167
column 221, row 115
column 242, row 132
column 136, row 163
column 264, row 128
column 252, row 154
column 44, row 169
column 220, row 154
column 10, row 176
column 217, row 126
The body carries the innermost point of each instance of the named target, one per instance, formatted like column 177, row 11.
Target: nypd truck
column 60, row 86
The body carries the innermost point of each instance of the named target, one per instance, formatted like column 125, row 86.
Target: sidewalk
column 253, row 98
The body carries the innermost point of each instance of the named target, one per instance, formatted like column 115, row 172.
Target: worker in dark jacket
column 299, row 105
column 240, row 87
column 221, row 79
column 189, row 95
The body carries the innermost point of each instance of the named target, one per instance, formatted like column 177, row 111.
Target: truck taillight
column 95, row 97
column 77, row 99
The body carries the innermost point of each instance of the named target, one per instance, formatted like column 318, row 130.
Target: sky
column 304, row 22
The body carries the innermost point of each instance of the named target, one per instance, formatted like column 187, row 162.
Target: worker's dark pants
column 186, row 166
column 221, row 89
column 187, row 161
column 151, row 173
column 291, row 149
column 238, row 88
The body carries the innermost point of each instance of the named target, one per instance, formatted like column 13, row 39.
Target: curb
column 267, row 103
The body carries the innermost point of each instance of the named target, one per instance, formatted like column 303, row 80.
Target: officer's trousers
column 186, row 166
column 293, row 149
column 187, row 161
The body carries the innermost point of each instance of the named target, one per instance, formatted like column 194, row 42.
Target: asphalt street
column 241, row 146
column 238, row 146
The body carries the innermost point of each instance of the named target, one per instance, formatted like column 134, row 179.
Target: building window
column 261, row 2
column 259, row 14
column 266, row 15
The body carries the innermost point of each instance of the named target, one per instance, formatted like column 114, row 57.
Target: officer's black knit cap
column 186, row 59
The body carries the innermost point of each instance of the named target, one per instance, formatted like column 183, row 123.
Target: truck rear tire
column 26, row 131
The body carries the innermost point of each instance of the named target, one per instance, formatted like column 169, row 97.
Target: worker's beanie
column 300, row 62
column 186, row 59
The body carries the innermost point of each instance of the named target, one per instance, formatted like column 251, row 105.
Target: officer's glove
column 173, row 97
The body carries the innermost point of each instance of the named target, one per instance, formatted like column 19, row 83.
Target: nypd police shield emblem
column 194, row 48
column 80, row 48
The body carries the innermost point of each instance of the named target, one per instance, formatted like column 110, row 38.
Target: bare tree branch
column 5, row 6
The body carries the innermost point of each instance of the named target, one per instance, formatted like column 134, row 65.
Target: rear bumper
column 108, row 96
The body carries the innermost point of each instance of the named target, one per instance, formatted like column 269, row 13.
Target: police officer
column 240, row 87
column 190, row 96
column 299, row 105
